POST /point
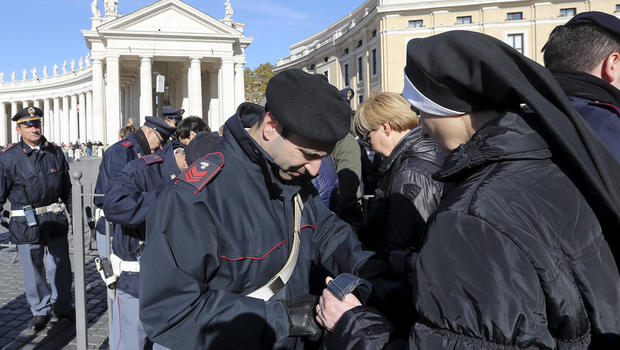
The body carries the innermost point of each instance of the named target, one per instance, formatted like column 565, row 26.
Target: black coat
column 207, row 248
column 514, row 257
column 406, row 195
column 38, row 180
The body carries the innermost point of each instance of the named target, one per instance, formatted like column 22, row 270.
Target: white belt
column 119, row 265
column 54, row 207
column 277, row 282
column 99, row 214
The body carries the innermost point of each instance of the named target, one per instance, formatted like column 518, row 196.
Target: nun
column 522, row 252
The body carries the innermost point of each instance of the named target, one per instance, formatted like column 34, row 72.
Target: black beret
column 603, row 20
column 174, row 114
column 203, row 143
column 308, row 105
column 347, row 95
column 160, row 126
column 28, row 114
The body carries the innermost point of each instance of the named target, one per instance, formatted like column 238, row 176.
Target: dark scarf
column 587, row 86
column 467, row 71
column 142, row 141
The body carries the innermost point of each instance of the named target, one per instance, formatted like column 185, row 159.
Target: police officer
column 172, row 116
column 584, row 57
column 35, row 179
column 230, row 244
column 128, row 199
column 145, row 140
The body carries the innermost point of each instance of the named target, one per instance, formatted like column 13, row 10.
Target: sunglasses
column 366, row 138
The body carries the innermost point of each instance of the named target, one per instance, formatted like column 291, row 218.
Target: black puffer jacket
column 514, row 257
column 406, row 195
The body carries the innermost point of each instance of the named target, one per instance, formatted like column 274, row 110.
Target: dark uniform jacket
column 604, row 118
column 114, row 160
column 514, row 257
column 39, row 179
column 208, row 247
column 406, row 195
column 129, row 197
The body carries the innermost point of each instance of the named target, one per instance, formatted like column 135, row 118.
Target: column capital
column 195, row 59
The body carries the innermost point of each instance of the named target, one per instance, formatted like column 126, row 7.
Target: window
column 568, row 12
column 516, row 41
column 325, row 59
column 360, row 69
column 373, row 57
column 346, row 75
column 514, row 16
column 326, row 74
column 463, row 20
column 416, row 23
column 360, row 99
column 617, row 7
column 359, row 43
column 346, row 51
column 312, row 67
column 374, row 32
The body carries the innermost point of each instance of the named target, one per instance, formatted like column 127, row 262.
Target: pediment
column 169, row 17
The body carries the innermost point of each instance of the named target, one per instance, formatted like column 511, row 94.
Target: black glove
column 6, row 217
column 300, row 312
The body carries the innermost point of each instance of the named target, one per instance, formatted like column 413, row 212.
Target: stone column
column 82, row 116
column 73, row 120
column 132, row 100
column 227, row 91
column 195, row 87
column 90, row 130
column 64, row 121
column 214, row 103
column 98, row 114
column 37, row 103
column 56, row 121
column 126, row 103
column 146, row 88
column 239, row 87
column 47, row 118
column 14, row 136
column 25, row 104
column 4, row 123
column 112, row 99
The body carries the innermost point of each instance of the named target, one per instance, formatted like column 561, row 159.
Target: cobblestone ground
column 14, row 310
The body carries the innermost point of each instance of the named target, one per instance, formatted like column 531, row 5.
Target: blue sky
column 34, row 33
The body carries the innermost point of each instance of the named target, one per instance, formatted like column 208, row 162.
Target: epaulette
column 606, row 106
column 8, row 147
column 152, row 158
column 127, row 144
column 202, row 171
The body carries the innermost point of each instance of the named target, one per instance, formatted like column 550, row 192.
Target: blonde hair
column 384, row 107
column 125, row 131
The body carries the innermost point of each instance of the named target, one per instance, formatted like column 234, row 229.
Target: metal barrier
column 78, row 224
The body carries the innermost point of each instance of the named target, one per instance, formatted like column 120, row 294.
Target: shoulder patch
column 606, row 106
column 127, row 144
column 202, row 171
column 152, row 158
column 8, row 147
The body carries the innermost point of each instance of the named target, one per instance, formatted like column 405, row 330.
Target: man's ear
column 610, row 69
column 271, row 127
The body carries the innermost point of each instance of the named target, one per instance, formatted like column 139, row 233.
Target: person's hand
column 330, row 309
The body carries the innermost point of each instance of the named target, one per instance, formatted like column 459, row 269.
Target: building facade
column 165, row 54
column 366, row 49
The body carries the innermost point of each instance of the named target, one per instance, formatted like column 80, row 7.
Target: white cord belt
column 54, row 207
column 277, row 282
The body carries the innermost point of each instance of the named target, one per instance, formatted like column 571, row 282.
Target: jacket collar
column 141, row 144
column 45, row 146
column 236, row 135
column 413, row 144
column 507, row 137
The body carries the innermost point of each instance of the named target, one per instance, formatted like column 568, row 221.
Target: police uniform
column 114, row 160
column 219, row 238
column 36, row 181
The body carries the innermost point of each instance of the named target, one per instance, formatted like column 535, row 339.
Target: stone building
column 365, row 50
column 165, row 54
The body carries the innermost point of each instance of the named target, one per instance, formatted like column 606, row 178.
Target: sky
column 34, row 33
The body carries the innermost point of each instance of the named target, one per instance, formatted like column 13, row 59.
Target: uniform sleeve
column 475, row 289
column 4, row 181
column 178, row 309
column 335, row 245
column 66, row 196
column 112, row 164
column 126, row 201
